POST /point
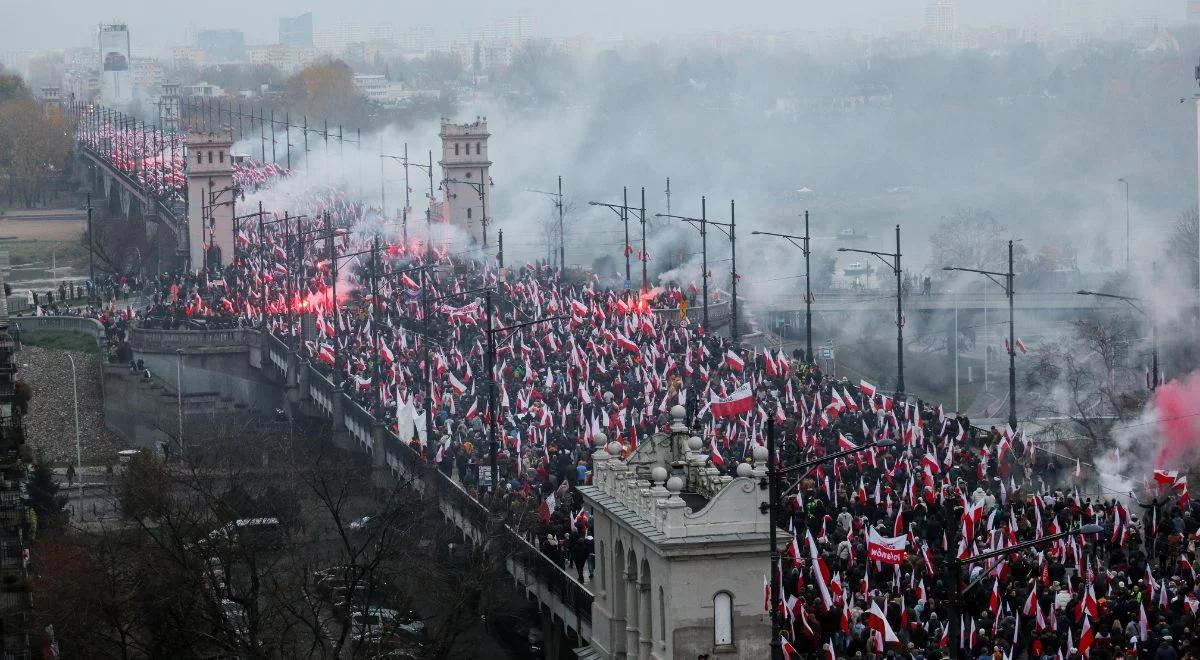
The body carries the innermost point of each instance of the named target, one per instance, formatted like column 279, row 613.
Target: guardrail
column 80, row 324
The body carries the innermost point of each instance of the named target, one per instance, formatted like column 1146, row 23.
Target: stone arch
column 617, row 630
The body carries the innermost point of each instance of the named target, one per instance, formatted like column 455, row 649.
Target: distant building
column 1193, row 11
column 116, row 81
column 466, row 181
column 168, row 107
column 202, row 89
column 941, row 20
column 222, row 46
column 296, row 30
column 286, row 59
column 211, row 197
column 187, row 57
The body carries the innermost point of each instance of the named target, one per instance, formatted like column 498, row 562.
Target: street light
column 807, row 251
column 1007, row 285
column 1133, row 302
column 622, row 211
column 558, row 203
column 772, row 506
column 895, row 267
column 1127, row 235
column 702, row 223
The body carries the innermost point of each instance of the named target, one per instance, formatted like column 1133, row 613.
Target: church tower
column 466, row 179
column 210, row 200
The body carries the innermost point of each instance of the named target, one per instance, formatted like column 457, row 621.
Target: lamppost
column 558, row 203
column 1127, row 234
column 772, row 508
column 807, row 251
column 623, row 210
column 728, row 228
column 1136, row 305
column 481, row 188
column 92, row 294
column 894, row 265
column 1007, row 285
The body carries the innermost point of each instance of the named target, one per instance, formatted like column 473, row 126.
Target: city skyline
column 30, row 28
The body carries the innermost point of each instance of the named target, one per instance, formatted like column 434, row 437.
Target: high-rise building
column 940, row 17
column 296, row 30
column 116, row 80
column 1193, row 11
column 222, row 46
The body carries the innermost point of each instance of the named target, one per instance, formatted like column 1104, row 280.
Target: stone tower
column 466, row 179
column 210, row 200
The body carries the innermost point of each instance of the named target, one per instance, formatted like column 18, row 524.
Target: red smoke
column 1177, row 413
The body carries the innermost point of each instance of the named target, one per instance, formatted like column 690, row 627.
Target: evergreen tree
column 44, row 497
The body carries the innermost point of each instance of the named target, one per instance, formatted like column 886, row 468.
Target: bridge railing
column 148, row 339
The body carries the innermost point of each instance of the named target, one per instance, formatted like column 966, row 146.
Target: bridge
column 966, row 302
column 243, row 364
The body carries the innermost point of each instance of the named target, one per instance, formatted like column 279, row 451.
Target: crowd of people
column 590, row 364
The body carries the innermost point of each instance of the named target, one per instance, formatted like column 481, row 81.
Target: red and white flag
column 886, row 549
column 867, row 389
column 740, row 401
column 878, row 622
column 733, row 361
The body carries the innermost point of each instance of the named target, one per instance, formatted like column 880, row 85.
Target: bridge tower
column 210, row 200
column 466, row 180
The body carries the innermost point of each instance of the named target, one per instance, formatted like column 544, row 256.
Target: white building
column 286, row 59
column 466, row 182
column 941, row 19
column 681, row 553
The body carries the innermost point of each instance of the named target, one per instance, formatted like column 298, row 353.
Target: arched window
column 468, row 213
column 455, row 148
column 476, row 148
column 199, row 157
column 722, row 618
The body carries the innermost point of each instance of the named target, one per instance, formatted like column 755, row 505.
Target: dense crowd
column 594, row 364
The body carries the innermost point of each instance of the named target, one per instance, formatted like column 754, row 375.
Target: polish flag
column 741, row 401
column 867, row 389
column 325, row 354
column 733, row 361
column 1021, row 346
column 457, row 385
column 878, row 622
column 715, row 455
column 579, row 308
column 386, row 354
column 1086, row 638
column 844, row 443
column 625, row 343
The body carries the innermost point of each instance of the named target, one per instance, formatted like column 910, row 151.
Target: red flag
column 1086, row 637
column 878, row 622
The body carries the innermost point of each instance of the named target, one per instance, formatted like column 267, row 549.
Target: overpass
column 243, row 364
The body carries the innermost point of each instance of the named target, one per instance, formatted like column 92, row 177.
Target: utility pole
column 91, row 248
column 628, row 248
column 733, row 269
column 1008, row 284
column 894, row 265
column 500, row 253
column 645, row 252
column 801, row 242
column 562, row 250
column 407, row 200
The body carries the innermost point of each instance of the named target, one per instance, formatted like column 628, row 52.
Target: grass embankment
column 60, row 340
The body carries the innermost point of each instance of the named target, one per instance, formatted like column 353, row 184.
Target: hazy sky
column 47, row 24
